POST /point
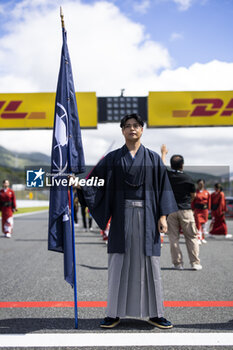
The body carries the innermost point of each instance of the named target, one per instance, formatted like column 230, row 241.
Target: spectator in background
column 7, row 206
column 89, row 220
column 218, row 224
column 75, row 207
column 201, row 206
column 83, row 204
column 184, row 191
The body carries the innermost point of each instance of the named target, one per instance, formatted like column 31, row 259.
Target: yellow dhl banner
column 190, row 108
column 36, row 110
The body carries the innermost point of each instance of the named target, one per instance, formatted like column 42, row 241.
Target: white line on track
column 115, row 339
column 26, row 214
column 30, row 213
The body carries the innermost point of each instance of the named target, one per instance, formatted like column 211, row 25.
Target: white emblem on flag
column 61, row 137
column 65, row 217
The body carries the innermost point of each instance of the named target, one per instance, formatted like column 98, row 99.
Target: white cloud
column 108, row 50
column 176, row 36
column 215, row 75
column 142, row 6
column 183, row 5
column 11, row 83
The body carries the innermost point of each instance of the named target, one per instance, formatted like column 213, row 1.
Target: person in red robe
column 218, row 208
column 201, row 206
column 7, row 207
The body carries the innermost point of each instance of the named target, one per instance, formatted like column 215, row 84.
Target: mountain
column 207, row 177
column 17, row 160
column 12, row 164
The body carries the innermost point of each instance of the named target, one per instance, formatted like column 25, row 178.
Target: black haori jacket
column 108, row 200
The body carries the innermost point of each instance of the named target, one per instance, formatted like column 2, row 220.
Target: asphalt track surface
column 198, row 303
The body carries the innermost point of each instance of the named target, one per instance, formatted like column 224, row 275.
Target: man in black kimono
column 137, row 196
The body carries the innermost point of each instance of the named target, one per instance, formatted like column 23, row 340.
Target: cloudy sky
column 144, row 45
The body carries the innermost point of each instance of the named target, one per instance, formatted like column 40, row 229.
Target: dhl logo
column 206, row 107
column 9, row 111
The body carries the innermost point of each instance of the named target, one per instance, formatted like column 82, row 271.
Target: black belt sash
column 6, row 204
column 200, row 206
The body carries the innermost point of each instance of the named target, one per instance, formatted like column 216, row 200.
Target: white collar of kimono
column 177, row 171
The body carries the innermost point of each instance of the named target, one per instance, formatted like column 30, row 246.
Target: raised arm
column 164, row 152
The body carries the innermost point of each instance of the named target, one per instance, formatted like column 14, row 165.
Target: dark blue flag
column 67, row 157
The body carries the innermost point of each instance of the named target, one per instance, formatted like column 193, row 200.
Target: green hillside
column 13, row 175
column 19, row 160
column 12, row 164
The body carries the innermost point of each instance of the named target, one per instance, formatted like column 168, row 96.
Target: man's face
column 200, row 185
column 6, row 184
column 132, row 130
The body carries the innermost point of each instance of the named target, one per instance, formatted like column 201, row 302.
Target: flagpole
column 74, row 258
column 62, row 18
column 72, row 223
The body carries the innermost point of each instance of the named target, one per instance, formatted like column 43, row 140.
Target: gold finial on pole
column 62, row 18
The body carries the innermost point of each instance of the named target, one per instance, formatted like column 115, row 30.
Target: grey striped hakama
column 134, row 281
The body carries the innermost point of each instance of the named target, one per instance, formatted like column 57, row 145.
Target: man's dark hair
column 177, row 162
column 218, row 186
column 130, row 116
column 199, row 180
